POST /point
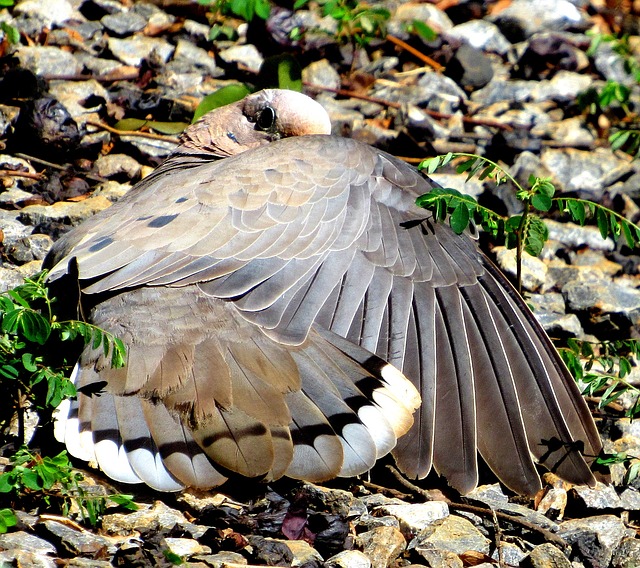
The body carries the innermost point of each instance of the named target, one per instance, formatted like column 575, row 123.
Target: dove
column 288, row 310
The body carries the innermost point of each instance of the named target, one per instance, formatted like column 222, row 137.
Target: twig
column 413, row 51
column 134, row 132
column 14, row 173
column 387, row 490
column 56, row 166
column 63, row 521
column 487, row 512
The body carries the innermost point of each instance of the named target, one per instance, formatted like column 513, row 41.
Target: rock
column 118, row 165
column 73, row 542
column 570, row 132
column 575, row 236
column 134, row 50
column 586, row 173
column 441, row 558
column 348, row 559
column 246, row 55
column 186, row 547
column 604, row 297
column 124, row 23
column 8, row 118
column 269, row 551
column 510, row 554
column 546, row 556
column 564, row 87
column 53, row 12
column 427, row 13
column 32, row 247
column 600, row 497
column 549, row 309
column 416, row 517
column 74, row 97
column 630, row 499
column 627, row 555
column 321, row 73
column 196, row 56
column 21, row 540
column 303, row 553
column 222, row 559
column 534, row 270
column 159, row 516
column 481, row 34
column 594, row 538
column 42, row 60
column 19, row 557
column 382, row 545
column 523, row 18
column 455, row 534
column 469, row 67
column 150, row 146
column 69, row 212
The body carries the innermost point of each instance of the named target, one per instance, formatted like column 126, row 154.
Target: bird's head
column 256, row 120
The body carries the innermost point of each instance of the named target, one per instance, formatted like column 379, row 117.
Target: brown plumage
column 273, row 303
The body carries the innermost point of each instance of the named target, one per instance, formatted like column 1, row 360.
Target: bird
column 288, row 310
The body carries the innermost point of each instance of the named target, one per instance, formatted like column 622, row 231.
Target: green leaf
column 125, row 501
column 300, row 4
column 577, row 210
column 169, row 128
column 132, row 124
column 424, row 31
column 541, row 202
column 283, row 68
column 34, row 327
column 28, row 362
column 628, row 235
column 459, row 219
column 7, row 519
column 223, row 96
column 7, row 3
column 263, row 9
column 602, row 220
column 30, row 480
column 13, row 34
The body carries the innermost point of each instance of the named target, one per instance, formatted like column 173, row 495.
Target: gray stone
column 303, row 553
column 534, row 270
column 523, row 18
column 564, row 87
column 570, row 132
column 113, row 165
column 481, row 34
column 546, row 556
column 321, row 73
column 246, row 55
column 26, row 542
column 370, row 522
column 75, row 542
column 133, row 50
column 12, row 276
column 150, row 146
column 382, row 545
column 595, row 538
column 455, row 534
column 600, row 497
column 196, row 56
column 186, row 547
column 431, row 15
column 587, row 173
column 73, row 94
column 157, row 516
column 415, row 517
column 69, row 212
column 627, row 555
column 499, row 89
column 630, row 499
column 573, row 236
column 50, row 13
column 611, row 65
column 32, row 247
column 348, row 559
column 440, row 558
column 510, row 554
column 221, row 559
column 549, row 309
column 124, row 23
column 605, row 297
column 44, row 60
column 26, row 559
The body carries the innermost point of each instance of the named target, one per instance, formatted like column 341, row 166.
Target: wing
column 314, row 248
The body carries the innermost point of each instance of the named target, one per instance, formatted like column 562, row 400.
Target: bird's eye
column 267, row 119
